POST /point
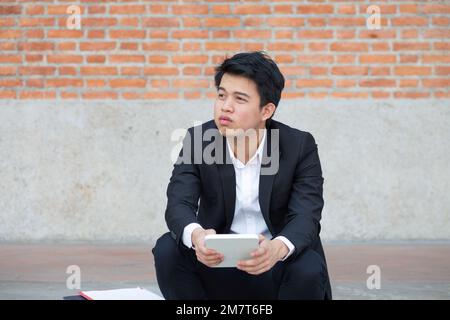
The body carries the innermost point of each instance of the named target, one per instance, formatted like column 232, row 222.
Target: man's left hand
column 265, row 257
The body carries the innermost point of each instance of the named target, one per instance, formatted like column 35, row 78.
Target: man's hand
column 265, row 257
column 208, row 257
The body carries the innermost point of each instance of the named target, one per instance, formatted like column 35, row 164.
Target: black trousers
column 181, row 276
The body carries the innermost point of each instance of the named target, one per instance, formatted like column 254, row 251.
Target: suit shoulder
column 290, row 132
column 204, row 126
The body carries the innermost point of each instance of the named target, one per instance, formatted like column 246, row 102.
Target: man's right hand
column 208, row 257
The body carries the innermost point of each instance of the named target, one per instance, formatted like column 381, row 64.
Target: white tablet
column 234, row 247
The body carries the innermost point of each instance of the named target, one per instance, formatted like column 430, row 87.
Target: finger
column 261, row 238
column 258, row 252
column 211, row 263
column 211, row 258
column 251, row 263
column 258, row 269
column 206, row 251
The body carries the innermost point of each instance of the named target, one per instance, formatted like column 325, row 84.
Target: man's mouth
column 224, row 120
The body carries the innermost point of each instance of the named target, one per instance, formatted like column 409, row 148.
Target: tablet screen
column 234, row 247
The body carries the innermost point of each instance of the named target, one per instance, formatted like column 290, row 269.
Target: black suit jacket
column 291, row 199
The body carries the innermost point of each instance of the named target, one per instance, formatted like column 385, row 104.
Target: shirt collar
column 258, row 154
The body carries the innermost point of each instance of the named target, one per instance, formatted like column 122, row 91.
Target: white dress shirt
column 248, row 217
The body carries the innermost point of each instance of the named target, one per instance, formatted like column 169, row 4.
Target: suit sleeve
column 306, row 200
column 183, row 191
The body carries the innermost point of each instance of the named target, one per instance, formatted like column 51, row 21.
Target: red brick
column 159, row 9
column 96, row 58
column 190, row 34
column 377, row 83
column 7, row 71
column 442, row 70
column 252, row 34
column 37, row 70
column 409, row 21
column 190, row 9
column 161, row 71
column 349, row 70
column 283, row 9
column 413, row 46
column 10, row 58
column 7, row 94
column 377, row 58
column 7, row 10
column 321, row 34
column 127, row 34
column 285, row 46
column 435, row 8
column 442, row 82
column 125, row 58
column 127, row 9
column 64, row 82
column 97, row 46
column 161, row 46
column 315, row 59
column 61, row 9
column 286, row 22
column 160, row 22
column 10, row 34
column 222, row 22
column 310, row 83
column 347, row 22
column 408, row 8
column 437, row 33
column 121, row 83
column 65, row 33
column 221, row 9
column 251, row 9
column 196, row 59
column 59, row 58
column 34, row 10
column 37, row 95
column 411, row 95
column 348, row 46
column 222, row 46
column 97, row 22
column 100, row 95
column 87, row 71
column 412, row 70
column 181, row 83
column 315, row 9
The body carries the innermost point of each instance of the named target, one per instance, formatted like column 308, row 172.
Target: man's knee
column 308, row 267
column 165, row 251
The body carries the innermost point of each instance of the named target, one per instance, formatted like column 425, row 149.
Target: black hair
column 258, row 67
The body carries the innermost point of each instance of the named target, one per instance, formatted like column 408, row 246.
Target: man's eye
column 241, row 99
column 221, row 95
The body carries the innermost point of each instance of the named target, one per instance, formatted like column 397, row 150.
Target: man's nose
column 227, row 105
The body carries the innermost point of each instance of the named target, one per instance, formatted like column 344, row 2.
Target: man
column 243, row 195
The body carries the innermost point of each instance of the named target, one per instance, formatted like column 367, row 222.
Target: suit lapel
column 265, row 180
column 228, row 178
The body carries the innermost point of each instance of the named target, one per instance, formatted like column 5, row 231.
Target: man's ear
column 268, row 110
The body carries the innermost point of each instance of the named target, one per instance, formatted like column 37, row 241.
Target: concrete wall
column 98, row 171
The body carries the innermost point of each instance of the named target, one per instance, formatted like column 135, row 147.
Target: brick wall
column 168, row 49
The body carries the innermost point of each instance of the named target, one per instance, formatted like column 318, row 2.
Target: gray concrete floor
column 409, row 270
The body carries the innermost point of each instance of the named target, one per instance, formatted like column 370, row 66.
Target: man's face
column 237, row 106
